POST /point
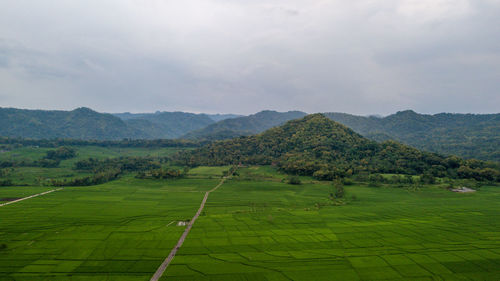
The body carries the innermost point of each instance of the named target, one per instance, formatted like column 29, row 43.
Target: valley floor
column 252, row 228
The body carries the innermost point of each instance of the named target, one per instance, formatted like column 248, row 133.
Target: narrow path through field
column 31, row 196
column 159, row 272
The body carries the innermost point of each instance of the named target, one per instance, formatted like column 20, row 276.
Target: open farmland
column 121, row 230
column 35, row 175
column 268, row 230
column 254, row 227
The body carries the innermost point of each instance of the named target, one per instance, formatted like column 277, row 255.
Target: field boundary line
column 159, row 272
column 31, row 196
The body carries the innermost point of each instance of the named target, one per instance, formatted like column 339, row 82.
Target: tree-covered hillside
column 465, row 135
column 320, row 147
column 81, row 123
column 244, row 126
column 168, row 124
column 84, row 123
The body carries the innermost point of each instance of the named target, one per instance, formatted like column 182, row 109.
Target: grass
column 267, row 230
column 204, row 172
column 254, row 227
column 116, row 231
column 41, row 176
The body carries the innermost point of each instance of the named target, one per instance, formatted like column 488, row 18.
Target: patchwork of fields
column 252, row 228
column 121, row 230
column 40, row 175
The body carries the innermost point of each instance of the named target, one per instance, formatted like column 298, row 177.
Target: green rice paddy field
column 251, row 229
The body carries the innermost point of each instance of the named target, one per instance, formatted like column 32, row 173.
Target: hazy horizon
column 251, row 113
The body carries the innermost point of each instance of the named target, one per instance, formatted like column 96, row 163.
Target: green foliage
column 61, row 153
column 160, row 174
column 96, row 178
column 165, row 124
column 243, row 126
column 86, row 124
column 338, row 190
column 122, row 163
column 466, row 135
column 316, row 146
column 15, row 143
column 5, row 182
column 293, row 180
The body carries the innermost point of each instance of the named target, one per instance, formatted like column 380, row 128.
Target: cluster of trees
column 161, row 174
column 5, row 182
column 317, row 146
column 123, row 164
column 96, row 178
column 7, row 142
column 54, row 157
column 51, row 160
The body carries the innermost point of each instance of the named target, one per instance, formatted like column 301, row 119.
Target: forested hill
column 84, row 123
column 245, row 125
column 81, row 123
column 317, row 146
column 466, row 135
column 166, row 124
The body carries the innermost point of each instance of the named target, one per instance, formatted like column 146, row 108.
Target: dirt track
column 159, row 272
column 31, row 196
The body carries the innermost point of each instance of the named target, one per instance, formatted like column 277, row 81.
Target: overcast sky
column 242, row 56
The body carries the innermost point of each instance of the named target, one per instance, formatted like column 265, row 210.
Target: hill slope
column 466, row 135
column 172, row 124
column 318, row 146
column 81, row 123
column 84, row 123
column 242, row 126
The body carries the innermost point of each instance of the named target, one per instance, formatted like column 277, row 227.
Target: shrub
column 293, row 180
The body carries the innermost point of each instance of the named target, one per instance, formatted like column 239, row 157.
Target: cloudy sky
column 240, row 56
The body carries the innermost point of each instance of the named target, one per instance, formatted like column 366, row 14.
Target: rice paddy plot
column 267, row 230
column 121, row 230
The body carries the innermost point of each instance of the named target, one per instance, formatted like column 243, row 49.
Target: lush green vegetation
column 84, row 123
column 316, row 146
column 268, row 230
column 244, row 126
column 381, row 210
column 256, row 226
column 466, row 135
column 121, row 230
column 166, row 124
column 88, row 165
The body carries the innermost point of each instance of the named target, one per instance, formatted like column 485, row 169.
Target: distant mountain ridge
column 81, row 123
column 152, row 116
column 244, row 126
column 84, row 123
column 466, row 135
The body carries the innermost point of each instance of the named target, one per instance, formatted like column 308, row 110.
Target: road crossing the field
column 159, row 272
column 31, row 196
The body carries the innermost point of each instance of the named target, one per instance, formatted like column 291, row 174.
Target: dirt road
column 159, row 272
column 31, row 196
